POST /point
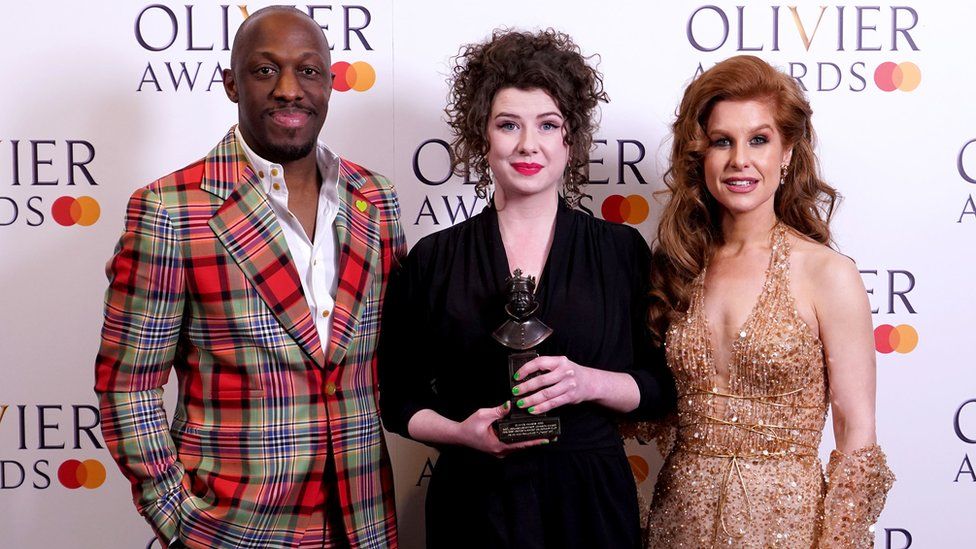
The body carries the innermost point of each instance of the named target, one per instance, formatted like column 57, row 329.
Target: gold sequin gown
column 742, row 469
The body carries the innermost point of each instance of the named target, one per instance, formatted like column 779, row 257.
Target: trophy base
column 512, row 430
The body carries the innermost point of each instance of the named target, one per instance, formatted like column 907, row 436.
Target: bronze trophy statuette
column 521, row 333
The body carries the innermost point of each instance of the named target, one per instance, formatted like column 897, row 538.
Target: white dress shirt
column 316, row 260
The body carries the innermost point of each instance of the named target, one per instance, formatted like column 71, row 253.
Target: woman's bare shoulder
column 821, row 267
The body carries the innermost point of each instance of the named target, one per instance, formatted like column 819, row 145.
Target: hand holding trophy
column 522, row 332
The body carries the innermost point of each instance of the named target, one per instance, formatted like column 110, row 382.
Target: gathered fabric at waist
column 746, row 431
column 760, row 426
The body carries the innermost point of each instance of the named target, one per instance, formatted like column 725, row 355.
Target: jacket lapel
column 247, row 227
column 356, row 229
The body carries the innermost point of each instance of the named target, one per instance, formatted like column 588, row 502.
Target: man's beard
column 283, row 154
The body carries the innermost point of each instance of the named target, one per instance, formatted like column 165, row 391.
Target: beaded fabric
column 743, row 470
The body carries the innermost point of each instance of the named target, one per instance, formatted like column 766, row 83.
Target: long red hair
column 690, row 229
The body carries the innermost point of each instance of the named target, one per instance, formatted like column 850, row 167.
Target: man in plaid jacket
column 258, row 274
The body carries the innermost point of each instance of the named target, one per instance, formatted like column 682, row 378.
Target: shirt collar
column 327, row 162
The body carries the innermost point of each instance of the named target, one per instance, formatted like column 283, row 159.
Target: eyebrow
column 543, row 115
column 753, row 130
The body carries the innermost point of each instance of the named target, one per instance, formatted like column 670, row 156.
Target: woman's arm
column 476, row 432
column 561, row 381
column 858, row 478
column 844, row 319
column 404, row 373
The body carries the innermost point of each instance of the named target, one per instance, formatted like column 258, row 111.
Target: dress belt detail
column 735, row 469
column 765, row 399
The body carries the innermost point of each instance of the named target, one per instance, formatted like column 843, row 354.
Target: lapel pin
column 361, row 205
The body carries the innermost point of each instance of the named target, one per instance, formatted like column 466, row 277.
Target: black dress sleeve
column 405, row 376
column 658, row 395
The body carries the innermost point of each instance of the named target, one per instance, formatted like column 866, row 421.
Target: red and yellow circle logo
column 75, row 474
column 639, row 467
column 902, row 339
column 68, row 211
column 631, row 209
column 359, row 76
column 902, row 76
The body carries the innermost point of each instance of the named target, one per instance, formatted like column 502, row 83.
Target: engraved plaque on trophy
column 522, row 333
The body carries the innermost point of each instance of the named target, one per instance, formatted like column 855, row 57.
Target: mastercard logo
column 75, row 474
column 359, row 76
column 639, row 467
column 902, row 339
column 631, row 209
column 902, row 76
column 68, row 211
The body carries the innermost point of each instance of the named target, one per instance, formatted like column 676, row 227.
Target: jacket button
column 330, row 388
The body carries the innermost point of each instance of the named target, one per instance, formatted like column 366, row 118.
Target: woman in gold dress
column 764, row 326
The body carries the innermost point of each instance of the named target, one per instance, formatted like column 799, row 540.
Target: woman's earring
column 782, row 173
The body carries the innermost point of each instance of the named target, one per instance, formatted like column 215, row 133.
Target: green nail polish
column 515, row 390
column 517, row 376
column 506, row 405
column 520, row 403
column 545, row 441
column 531, row 409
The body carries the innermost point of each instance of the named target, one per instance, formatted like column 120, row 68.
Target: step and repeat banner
column 103, row 97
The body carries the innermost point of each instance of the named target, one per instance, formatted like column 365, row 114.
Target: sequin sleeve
column 857, row 485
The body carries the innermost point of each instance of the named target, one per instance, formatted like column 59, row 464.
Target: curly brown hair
column 546, row 60
column 690, row 228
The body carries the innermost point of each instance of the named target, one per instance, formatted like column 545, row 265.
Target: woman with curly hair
column 522, row 110
column 764, row 326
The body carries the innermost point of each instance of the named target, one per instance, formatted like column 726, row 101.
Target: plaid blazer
column 202, row 281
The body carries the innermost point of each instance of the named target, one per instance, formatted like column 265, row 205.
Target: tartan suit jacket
column 202, row 281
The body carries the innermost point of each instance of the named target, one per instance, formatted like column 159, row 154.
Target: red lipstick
column 527, row 168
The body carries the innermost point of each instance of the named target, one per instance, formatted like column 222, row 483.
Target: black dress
column 436, row 352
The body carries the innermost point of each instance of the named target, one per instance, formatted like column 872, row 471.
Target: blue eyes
column 726, row 142
column 512, row 126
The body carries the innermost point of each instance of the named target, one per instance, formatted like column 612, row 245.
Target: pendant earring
column 782, row 173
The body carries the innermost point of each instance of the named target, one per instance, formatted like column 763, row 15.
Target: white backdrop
column 96, row 104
